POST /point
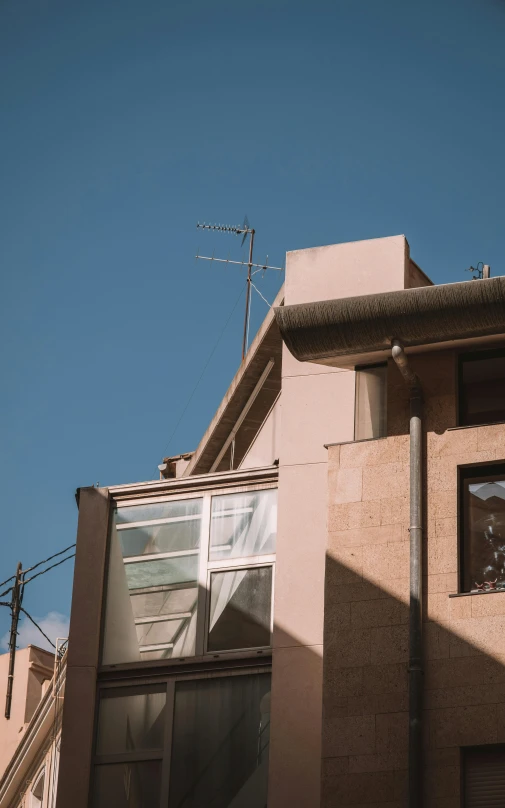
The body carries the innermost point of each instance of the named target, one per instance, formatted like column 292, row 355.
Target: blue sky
column 123, row 124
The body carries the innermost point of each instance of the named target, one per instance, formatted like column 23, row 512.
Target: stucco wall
column 317, row 408
column 366, row 608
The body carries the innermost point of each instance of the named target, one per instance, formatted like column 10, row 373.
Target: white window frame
column 205, row 566
column 36, row 780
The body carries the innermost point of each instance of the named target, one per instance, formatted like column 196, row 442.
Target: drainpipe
column 416, row 579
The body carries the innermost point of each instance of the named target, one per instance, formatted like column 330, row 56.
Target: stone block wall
column 365, row 690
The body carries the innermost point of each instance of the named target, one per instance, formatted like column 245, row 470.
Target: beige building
column 308, row 609
column 29, row 739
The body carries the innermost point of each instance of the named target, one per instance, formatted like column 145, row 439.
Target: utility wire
column 195, row 388
column 47, row 559
column 37, row 626
column 43, row 572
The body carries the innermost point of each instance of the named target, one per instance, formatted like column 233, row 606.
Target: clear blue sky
column 125, row 122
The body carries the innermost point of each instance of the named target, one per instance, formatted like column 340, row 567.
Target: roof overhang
column 350, row 330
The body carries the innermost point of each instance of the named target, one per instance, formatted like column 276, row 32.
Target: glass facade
column 173, row 563
column 184, row 743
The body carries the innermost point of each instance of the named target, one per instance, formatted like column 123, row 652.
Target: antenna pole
column 15, row 608
column 248, row 295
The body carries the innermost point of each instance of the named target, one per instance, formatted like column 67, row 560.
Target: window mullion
column 202, row 576
column 167, row 754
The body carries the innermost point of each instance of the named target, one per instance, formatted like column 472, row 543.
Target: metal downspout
column 416, row 576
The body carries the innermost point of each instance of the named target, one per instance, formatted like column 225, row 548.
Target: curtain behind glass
column 370, row 407
column 243, row 524
column 220, row 743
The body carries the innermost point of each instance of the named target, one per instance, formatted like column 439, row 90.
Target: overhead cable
column 42, row 572
column 37, row 626
column 46, row 560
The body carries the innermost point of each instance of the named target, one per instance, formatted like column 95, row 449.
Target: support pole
column 416, row 577
column 248, row 295
column 15, row 608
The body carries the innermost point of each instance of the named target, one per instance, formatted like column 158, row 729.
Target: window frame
column 41, row 774
column 464, row 752
column 205, row 569
column 466, row 475
column 358, row 369
column 170, row 679
column 465, row 356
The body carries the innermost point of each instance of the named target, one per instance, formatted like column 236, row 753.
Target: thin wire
column 37, row 626
column 263, row 298
column 203, row 371
column 43, row 572
column 47, row 559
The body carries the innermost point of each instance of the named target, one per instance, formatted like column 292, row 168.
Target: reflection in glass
column 240, row 609
column 127, row 785
column 152, row 582
column 220, row 743
column 131, row 719
column 484, row 500
column 243, row 524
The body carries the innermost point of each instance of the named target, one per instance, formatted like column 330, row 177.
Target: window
column 37, row 793
column 370, row 404
column 482, row 387
column 190, row 576
column 184, row 743
column 483, row 528
column 484, row 777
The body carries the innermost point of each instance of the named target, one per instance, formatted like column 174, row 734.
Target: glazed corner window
column 192, row 576
column 483, row 529
column 370, row 402
column 184, row 742
column 483, row 776
column 482, row 388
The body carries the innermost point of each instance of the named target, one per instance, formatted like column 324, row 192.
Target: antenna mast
column 246, row 231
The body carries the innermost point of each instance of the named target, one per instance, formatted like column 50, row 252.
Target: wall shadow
column 365, row 688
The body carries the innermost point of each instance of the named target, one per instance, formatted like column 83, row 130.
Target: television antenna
column 244, row 231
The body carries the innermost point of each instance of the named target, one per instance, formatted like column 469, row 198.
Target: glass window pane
column 164, row 588
column 127, row 785
column 483, row 389
column 159, row 510
column 243, row 524
column 240, row 609
column 221, row 743
column 142, row 574
column 130, row 719
column 485, row 532
column 371, row 399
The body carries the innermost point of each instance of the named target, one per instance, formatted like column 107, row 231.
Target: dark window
column 483, row 528
column 482, row 388
column 240, row 609
column 484, row 777
column 220, row 743
column 184, row 743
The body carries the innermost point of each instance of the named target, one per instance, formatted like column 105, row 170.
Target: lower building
column 309, row 608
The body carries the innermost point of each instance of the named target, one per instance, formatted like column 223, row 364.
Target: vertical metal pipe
column 416, row 578
column 416, row 602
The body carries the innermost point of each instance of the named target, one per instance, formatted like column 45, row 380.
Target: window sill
column 477, row 594
column 474, row 426
column 360, row 440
